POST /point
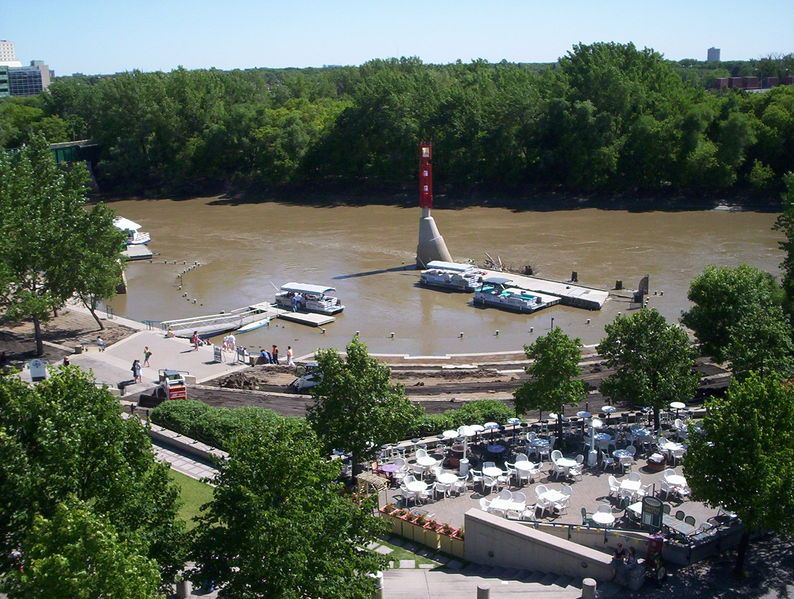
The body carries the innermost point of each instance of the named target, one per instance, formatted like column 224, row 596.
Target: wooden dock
column 569, row 293
column 308, row 318
column 137, row 252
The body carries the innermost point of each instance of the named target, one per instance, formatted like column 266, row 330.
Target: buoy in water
column 531, row 329
column 461, row 335
column 588, row 321
column 391, row 334
column 496, row 333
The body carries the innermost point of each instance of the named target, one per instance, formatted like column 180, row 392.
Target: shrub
column 214, row 426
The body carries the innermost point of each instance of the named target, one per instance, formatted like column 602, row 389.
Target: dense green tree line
column 604, row 117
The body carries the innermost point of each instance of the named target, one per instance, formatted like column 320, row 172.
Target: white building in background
column 8, row 55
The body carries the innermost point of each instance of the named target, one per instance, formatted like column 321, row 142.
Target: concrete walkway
column 113, row 365
column 183, row 464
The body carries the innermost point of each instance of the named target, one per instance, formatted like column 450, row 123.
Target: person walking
column 66, row 360
column 100, row 343
column 289, row 356
column 195, row 340
column 274, row 354
column 136, row 370
column 146, row 355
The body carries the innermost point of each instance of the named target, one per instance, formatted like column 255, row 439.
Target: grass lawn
column 399, row 553
column 193, row 495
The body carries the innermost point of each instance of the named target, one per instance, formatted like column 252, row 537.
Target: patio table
column 553, row 496
column 524, row 466
column 566, row 463
column 678, row 526
column 426, row 461
column 492, row 471
column 676, row 480
column 389, row 470
column 416, row 486
column 603, row 518
column 447, row 478
column 495, row 448
column 630, row 485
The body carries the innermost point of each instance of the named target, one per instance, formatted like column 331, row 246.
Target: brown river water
column 245, row 250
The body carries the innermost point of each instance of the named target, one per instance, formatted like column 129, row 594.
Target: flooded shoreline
column 248, row 250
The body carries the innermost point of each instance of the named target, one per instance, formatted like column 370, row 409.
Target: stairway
column 448, row 583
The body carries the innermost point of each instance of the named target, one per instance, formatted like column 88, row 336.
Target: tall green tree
column 553, row 371
column 50, row 245
column 356, row 408
column 785, row 224
column 77, row 554
column 65, row 437
column 279, row 526
column 744, row 458
column 761, row 341
column 653, row 361
column 721, row 294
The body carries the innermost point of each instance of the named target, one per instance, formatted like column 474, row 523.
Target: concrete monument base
column 431, row 245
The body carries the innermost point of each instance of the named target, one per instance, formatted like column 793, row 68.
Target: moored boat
column 304, row 297
column 501, row 292
column 134, row 235
column 451, row 275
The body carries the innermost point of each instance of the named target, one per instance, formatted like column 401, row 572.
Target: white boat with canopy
column 304, row 297
column 450, row 275
column 134, row 235
column 501, row 292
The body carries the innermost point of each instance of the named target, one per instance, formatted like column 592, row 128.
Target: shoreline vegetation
column 523, row 201
column 608, row 124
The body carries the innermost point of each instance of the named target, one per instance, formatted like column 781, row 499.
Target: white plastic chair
column 476, row 477
column 634, row 476
column 459, row 486
column 541, row 503
column 421, row 453
column 489, row 483
column 614, row 486
column 485, row 505
column 442, row 488
column 521, row 457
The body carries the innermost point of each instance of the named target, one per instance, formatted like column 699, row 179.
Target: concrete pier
column 431, row 244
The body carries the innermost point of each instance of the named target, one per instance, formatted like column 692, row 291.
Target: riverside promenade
column 113, row 366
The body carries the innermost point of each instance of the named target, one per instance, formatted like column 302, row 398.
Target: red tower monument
column 431, row 245
column 426, row 175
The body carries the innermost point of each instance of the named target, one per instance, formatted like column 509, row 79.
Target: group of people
column 272, row 356
column 136, row 364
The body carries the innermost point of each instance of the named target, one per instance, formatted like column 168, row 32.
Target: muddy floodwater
column 248, row 250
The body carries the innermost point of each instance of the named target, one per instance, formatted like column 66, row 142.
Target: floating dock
column 137, row 252
column 308, row 318
column 569, row 294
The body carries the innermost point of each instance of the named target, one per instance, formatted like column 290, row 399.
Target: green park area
column 192, row 494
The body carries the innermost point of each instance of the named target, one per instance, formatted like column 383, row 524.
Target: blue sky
column 93, row 36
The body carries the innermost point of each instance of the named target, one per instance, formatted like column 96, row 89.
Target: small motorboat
column 252, row 326
column 501, row 292
column 303, row 297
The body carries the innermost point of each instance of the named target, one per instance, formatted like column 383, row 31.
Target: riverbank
column 538, row 200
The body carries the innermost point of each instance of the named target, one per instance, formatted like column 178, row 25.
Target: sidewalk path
column 113, row 365
column 182, row 463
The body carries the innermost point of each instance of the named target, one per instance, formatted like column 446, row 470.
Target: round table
column 609, row 410
column 677, row 405
column 495, row 448
column 416, row 486
column 426, row 461
column 492, row 471
column 524, row 466
column 603, row 518
column 602, row 437
column 450, row 434
column 447, row 478
column 620, row 453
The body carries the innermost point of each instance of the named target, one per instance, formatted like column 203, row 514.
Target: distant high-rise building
column 4, row 89
column 8, row 55
column 713, row 55
column 29, row 81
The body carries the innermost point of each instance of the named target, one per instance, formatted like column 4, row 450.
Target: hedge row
column 213, row 426
column 218, row 426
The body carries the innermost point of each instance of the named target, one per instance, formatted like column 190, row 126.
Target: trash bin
column 122, row 386
column 464, row 466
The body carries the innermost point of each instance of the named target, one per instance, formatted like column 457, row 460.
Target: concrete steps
column 445, row 583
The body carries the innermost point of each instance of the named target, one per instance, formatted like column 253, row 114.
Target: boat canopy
column 306, row 288
column 125, row 224
column 453, row 266
column 497, row 280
